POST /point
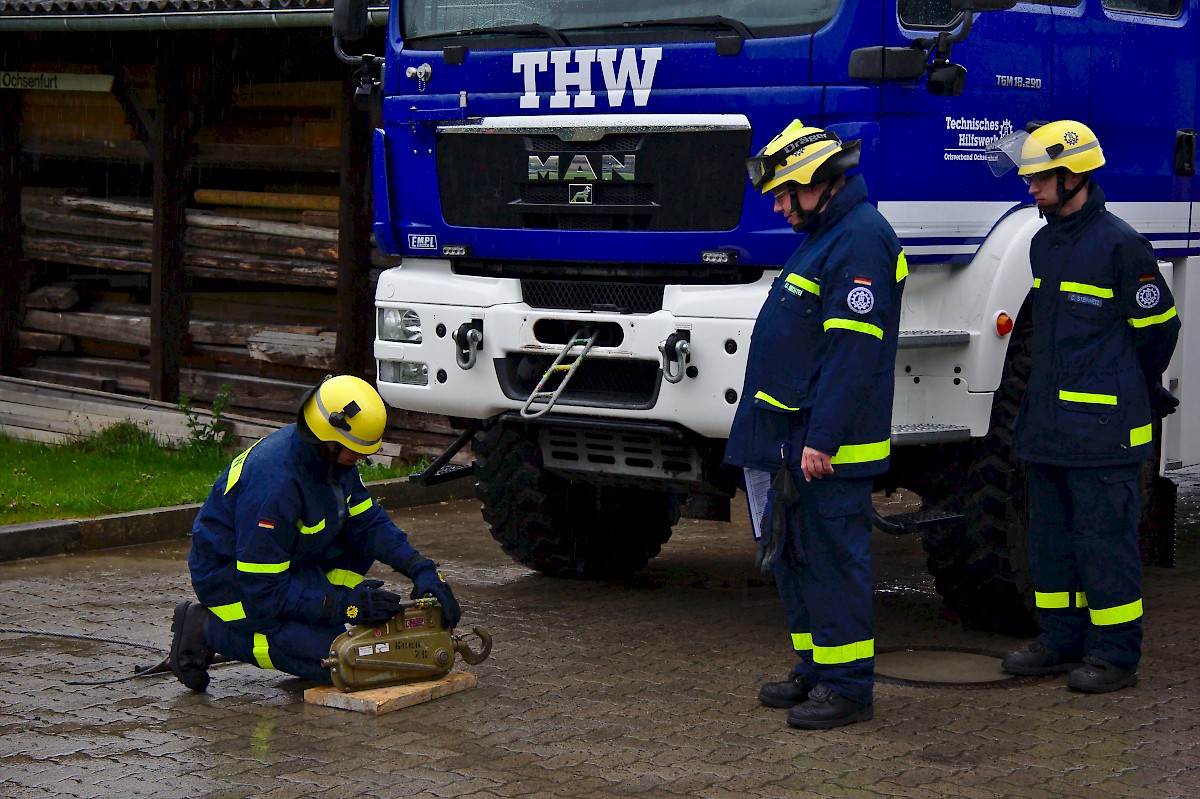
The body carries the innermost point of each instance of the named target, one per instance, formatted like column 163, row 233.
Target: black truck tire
column 561, row 528
column 981, row 566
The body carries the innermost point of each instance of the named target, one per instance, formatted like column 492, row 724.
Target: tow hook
column 463, row 648
column 677, row 354
column 467, row 340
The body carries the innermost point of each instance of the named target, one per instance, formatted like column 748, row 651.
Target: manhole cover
column 944, row 668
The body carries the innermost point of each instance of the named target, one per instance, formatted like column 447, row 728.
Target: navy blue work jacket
column 820, row 368
column 268, row 542
column 1104, row 329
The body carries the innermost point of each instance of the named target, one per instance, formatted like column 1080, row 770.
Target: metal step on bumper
column 906, row 435
column 919, row 339
column 916, row 522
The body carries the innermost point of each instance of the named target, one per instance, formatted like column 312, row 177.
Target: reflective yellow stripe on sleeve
column 847, row 653
column 1158, row 319
column 343, row 577
column 232, row 612
column 1141, row 435
column 765, row 397
column 235, row 468
column 901, row 266
column 1105, row 617
column 316, row 528
column 1083, row 396
column 263, row 568
column 365, row 505
column 262, row 652
column 858, row 327
column 1086, row 288
column 804, row 284
column 802, row 642
column 862, row 453
column 1037, row 282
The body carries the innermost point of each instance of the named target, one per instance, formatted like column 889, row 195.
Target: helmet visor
column 1005, row 153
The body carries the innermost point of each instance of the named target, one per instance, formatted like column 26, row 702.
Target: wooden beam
column 354, row 295
column 175, row 70
column 12, row 272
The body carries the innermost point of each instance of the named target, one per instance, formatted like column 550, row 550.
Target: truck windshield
column 431, row 18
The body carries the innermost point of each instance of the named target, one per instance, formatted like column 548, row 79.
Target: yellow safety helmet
column 1067, row 144
column 345, row 410
column 803, row 155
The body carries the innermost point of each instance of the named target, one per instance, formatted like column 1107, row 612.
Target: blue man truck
column 583, row 257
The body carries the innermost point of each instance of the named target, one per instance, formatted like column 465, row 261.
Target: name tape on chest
column 1085, row 299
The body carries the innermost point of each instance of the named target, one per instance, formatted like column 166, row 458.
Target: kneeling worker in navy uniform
column 814, row 420
column 282, row 544
column 1104, row 330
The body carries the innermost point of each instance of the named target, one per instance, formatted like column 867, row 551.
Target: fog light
column 409, row 373
column 718, row 257
column 400, row 324
column 456, row 251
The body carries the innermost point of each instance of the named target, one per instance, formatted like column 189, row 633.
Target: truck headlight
column 408, row 373
column 400, row 324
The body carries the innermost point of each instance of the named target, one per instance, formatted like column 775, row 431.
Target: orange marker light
column 1004, row 324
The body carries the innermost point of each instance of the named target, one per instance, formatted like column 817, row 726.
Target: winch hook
column 464, row 649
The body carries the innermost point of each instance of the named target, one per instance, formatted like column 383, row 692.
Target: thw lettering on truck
column 617, row 76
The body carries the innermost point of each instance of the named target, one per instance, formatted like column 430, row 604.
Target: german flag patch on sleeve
column 266, row 524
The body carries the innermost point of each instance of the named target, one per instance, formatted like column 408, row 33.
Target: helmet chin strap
column 807, row 219
column 1064, row 194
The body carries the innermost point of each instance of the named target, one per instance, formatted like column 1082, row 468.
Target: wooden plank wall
column 244, row 261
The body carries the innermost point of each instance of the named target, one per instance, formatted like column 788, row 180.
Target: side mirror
column 982, row 5
column 350, row 19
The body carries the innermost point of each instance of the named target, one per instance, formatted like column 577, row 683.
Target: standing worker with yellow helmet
column 814, row 420
column 1104, row 329
column 281, row 547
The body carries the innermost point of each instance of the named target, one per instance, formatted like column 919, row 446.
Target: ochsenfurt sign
column 55, row 82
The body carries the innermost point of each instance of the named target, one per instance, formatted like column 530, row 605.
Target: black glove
column 427, row 582
column 368, row 603
column 1162, row 402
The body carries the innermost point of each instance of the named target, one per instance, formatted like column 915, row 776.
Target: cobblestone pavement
column 645, row 688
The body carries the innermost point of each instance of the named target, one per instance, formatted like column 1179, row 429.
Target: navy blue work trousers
column 827, row 597
column 1087, row 573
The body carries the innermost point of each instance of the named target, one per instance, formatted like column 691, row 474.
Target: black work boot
column 825, row 709
column 1098, row 676
column 1038, row 661
column 190, row 657
column 788, row 693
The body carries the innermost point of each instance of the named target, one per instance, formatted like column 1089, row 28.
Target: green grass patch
column 123, row 468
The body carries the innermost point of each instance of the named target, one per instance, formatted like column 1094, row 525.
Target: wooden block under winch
column 377, row 701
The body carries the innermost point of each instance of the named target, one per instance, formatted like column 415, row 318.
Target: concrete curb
column 65, row 536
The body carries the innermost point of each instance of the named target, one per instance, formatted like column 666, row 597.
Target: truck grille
column 676, row 180
column 597, row 383
column 584, row 295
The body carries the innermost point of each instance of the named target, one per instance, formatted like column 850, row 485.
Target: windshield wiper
column 683, row 22
column 504, row 30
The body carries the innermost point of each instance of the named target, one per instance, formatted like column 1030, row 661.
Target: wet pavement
column 644, row 688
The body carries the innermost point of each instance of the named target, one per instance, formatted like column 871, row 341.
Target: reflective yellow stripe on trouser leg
column 262, row 652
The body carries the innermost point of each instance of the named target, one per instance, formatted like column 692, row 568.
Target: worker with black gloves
column 814, row 423
column 282, row 544
column 1104, row 329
